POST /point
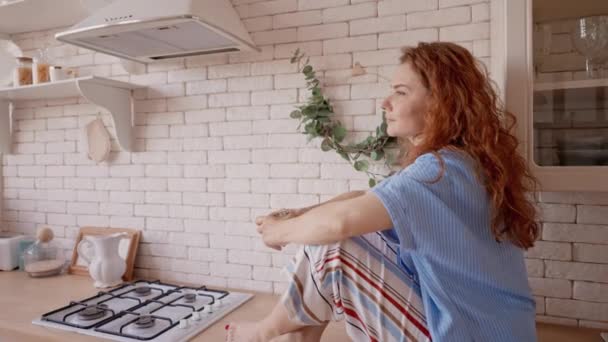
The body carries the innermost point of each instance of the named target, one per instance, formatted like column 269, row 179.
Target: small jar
column 23, row 72
column 40, row 70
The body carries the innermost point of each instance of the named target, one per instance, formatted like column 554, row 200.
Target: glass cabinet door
column 570, row 82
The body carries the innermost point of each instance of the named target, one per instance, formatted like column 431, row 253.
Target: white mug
column 57, row 74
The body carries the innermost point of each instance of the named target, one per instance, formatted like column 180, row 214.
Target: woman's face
column 407, row 104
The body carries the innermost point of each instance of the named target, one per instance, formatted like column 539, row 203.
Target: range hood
column 151, row 30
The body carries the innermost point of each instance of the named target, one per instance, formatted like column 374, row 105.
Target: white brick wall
column 217, row 147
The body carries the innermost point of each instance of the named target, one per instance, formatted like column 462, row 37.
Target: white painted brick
column 242, row 228
column 187, row 75
column 23, row 137
column 577, row 309
column 61, row 219
column 253, row 56
column 157, row 263
column 149, row 158
column 301, row 18
column 471, row 31
column 289, row 81
column 273, row 67
column 126, row 170
column 313, row 48
column 556, row 288
column 230, row 128
column 45, row 136
column 207, row 171
column 164, row 224
column 203, row 199
column 362, row 43
column 151, row 106
column 452, row 3
column 165, row 65
column 61, row 195
column 31, row 125
column 208, row 254
column 22, row 204
column 151, row 210
column 324, row 31
column 162, row 250
column 163, row 91
column 480, row 12
column 205, row 60
column 187, row 185
column 346, row 13
column 201, row 226
column 92, row 171
column 13, row 159
column 186, row 103
column 29, row 148
column 591, row 253
column 275, row 36
column 93, row 196
column 149, row 184
column 116, row 209
column 61, row 147
column 189, row 131
column 206, row 115
column 593, row 292
column 443, row 17
column 550, row 250
column 14, row 182
column 275, row 126
column 377, row 25
column 294, row 170
column 229, row 100
column 309, row 186
column 164, row 171
column 30, row 171
column 127, row 222
column 234, row 200
column 70, row 183
column 315, row 4
column 535, row 267
column 380, row 57
column 574, row 232
column 481, row 48
column 229, row 70
column 367, row 90
column 258, row 24
column 149, row 78
column 287, row 140
column 192, row 158
column 271, row 7
column 127, row 197
column 247, row 171
column 392, row 7
column 340, row 171
column 292, row 201
column 250, row 83
column 189, row 239
column 577, row 271
column 557, row 212
column 245, row 141
column 190, row 266
column 93, row 220
column 228, row 185
column 594, row 198
column 164, row 197
column 230, row 270
column 83, row 208
column 32, row 217
column 175, row 144
column 408, row 38
column 205, row 87
column 592, row 214
column 230, row 157
column 188, row 212
column 275, row 156
column 164, row 119
column 331, row 62
column 60, row 171
column 249, row 258
column 230, row 242
column 202, row 144
column 268, row 274
column 48, row 112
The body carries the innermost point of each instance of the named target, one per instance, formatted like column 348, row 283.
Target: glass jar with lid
column 23, row 72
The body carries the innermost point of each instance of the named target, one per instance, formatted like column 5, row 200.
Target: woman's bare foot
column 248, row 332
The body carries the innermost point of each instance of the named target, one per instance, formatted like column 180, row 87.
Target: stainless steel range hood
column 152, row 30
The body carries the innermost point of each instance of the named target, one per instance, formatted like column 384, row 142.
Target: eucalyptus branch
column 316, row 116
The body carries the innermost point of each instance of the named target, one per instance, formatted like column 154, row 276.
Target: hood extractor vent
column 137, row 30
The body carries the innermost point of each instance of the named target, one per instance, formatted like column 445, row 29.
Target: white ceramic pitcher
column 105, row 264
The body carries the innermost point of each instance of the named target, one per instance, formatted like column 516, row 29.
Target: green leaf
column 344, row 155
column 383, row 128
column 372, row 182
column 339, row 133
column 326, row 145
column 377, row 155
column 296, row 114
column 361, row 165
column 307, row 69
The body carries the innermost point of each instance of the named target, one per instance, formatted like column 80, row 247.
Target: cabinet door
column 557, row 84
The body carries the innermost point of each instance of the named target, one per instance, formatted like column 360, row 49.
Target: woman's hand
column 267, row 225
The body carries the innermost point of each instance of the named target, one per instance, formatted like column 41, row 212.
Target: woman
column 448, row 264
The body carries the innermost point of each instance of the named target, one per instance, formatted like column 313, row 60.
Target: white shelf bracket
column 118, row 101
column 6, row 126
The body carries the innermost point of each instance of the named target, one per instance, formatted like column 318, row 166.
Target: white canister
column 57, row 73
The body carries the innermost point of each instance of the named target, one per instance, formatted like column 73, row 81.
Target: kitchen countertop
column 23, row 299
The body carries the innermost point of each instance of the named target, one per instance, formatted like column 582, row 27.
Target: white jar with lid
column 22, row 74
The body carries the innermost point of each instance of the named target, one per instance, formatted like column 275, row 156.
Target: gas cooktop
column 145, row 311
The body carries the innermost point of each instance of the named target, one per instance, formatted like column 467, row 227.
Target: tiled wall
column 216, row 147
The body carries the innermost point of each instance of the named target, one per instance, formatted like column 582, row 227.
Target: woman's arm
column 329, row 223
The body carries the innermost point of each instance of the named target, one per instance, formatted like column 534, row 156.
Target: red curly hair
column 466, row 114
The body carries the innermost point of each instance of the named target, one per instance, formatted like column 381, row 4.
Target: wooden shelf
column 115, row 96
column 39, row 15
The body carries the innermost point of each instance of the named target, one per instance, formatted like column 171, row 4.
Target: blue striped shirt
column 472, row 288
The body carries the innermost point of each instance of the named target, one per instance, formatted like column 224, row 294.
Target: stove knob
column 183, row 324
column 196, row 316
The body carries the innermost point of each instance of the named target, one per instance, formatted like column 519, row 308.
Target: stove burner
column 144, row 321
column 142, row 291
column 189, row 297
column 92, row 312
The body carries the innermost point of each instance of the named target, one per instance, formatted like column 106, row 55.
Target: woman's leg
column 358, row 280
